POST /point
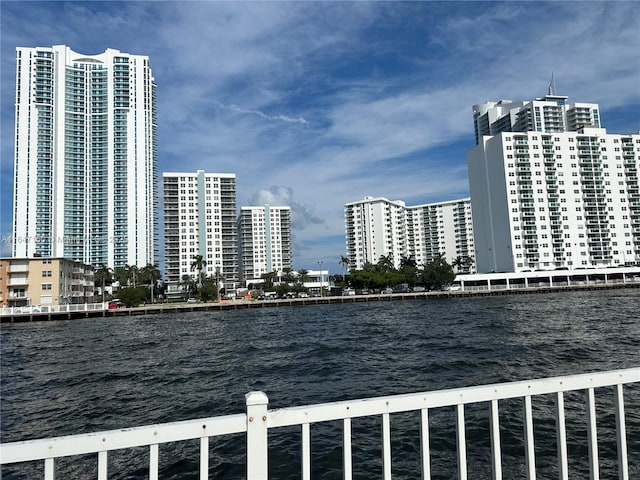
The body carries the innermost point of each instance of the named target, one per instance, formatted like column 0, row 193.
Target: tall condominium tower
column 377, row 227
column 549, row 114
column 200, row 220
column 265, row 240
column 544, row 201
column 85, row 157
column 442, row 229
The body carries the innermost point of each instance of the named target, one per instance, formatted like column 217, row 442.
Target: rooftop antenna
column 552, row 85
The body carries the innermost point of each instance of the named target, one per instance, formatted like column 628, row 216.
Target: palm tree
column 187, row 284
column 150, row 275
column 344, row 261
column 132, row 274
column 458, row 263
column 468, row 263
column 198, row 263
column 268, row 279
column 103, row 276
column 386, row 263
column 287, row 275
column 303, row 276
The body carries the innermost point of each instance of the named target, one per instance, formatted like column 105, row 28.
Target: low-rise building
column 45, row 281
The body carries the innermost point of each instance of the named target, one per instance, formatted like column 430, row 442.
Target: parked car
column 115, row 303
column 192, row 300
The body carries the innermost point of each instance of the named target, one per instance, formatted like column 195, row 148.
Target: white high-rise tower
column 85, row 157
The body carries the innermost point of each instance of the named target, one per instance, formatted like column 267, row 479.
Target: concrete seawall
column 167, row 308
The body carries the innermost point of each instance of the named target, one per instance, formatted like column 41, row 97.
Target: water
column 68, row 377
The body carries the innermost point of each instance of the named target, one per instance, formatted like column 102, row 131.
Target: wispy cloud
column 282, row 118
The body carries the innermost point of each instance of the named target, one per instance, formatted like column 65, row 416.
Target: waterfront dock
column 9, row 316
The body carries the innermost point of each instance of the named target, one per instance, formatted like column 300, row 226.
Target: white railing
column 258, row 420
column 70, row 307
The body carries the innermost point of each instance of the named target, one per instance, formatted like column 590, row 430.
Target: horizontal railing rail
column 258, row 420
column 40, row 309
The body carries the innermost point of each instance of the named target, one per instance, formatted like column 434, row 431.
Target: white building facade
column 551, row 113
column 377, row 227
column 442, row 229
column 200, row 219
column 264, row 240
column 564, row 200
column 85, row 165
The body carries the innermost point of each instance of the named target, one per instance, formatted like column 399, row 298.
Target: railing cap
column 256, row 398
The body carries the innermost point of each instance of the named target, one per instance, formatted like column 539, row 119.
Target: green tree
column 131, row 296
column 469, row 262
column 287, row 275
column 209, row 290
column 131, row 272
column 120, row 275
column 268, row 280
column 408, row 271
column 437, row 273
column 385, row 263
column 344, row 262
column 303, row 276
column 188, row 284
column 103, row 276
column 150, row 275
column 198, row 263
column 458, row 263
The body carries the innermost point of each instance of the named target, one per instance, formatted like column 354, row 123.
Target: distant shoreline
column 164, row 308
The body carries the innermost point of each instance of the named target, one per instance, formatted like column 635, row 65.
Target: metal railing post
column 257, row 446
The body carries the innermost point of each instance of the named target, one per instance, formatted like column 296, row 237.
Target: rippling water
column 67, row 377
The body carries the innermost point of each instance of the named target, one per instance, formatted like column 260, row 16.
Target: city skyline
column 314, row 105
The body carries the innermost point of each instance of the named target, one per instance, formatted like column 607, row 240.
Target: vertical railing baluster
column 204, row 458
column 49, row 469
column 102, row 465
column 621, row 434
column 424, row 438
column 561, row 434
column 153, row 462
column 496, row 453
column 386, row 446
column 257, row 436
column 529, row 449
column 592, row 435
column 306, row 452
column 462, row 445
column 346, row 449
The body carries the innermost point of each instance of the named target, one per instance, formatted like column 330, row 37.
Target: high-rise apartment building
column 544, row 201
column 265, row 240
column 548, row 114
column 200, row 219
column 442, row 229
column 377, row 227
column 85, row 157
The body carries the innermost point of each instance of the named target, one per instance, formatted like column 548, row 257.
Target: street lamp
column 320, row 262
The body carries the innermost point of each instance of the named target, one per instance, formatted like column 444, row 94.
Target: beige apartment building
column 44, row 281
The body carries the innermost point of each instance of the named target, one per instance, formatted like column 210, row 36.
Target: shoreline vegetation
column 181, row 307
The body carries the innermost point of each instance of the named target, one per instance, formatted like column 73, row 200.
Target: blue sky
column 316, row 104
